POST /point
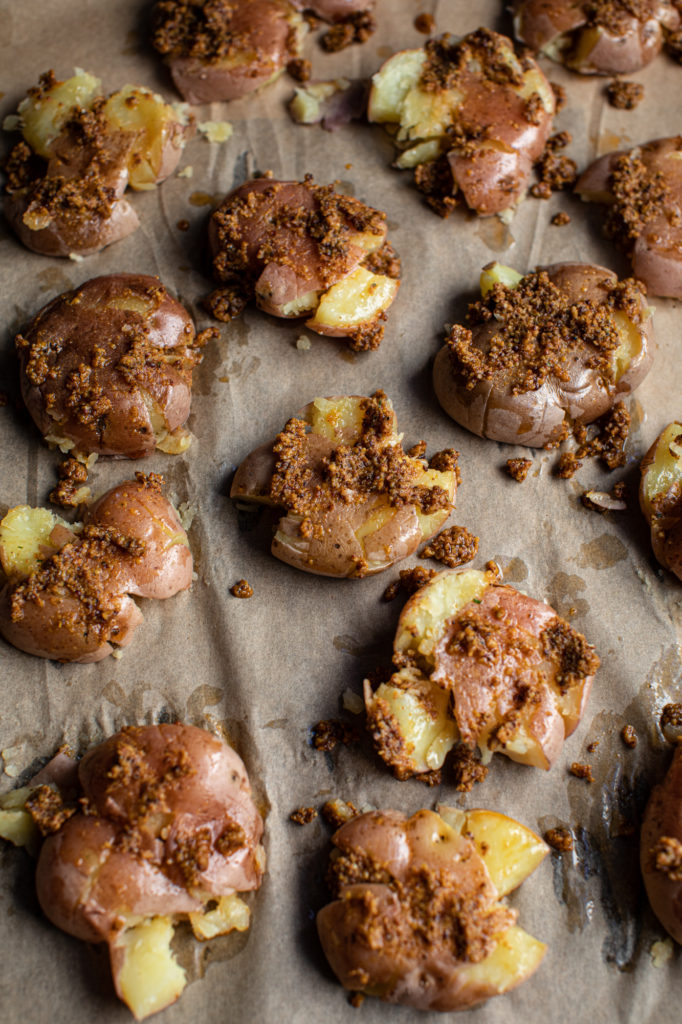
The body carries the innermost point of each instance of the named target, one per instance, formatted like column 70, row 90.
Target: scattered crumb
column 356, row 999
column 408, row 582
column 329, row 733
column 303, row 343
column 555, row 171
column 303, row 815
column 225, row 303
column 425, row 23
column 467, row 768
column 629, row 736
column 609, row 437
column 241, row 589
column 591, row 747
column 186, row 172
column 518, row 469
column 582, row 771
column 453, row 547
column 559, row 839
column 71, row 490
column 182, row 225
column 671, row 715
column 337, row 812
column 559, row 95
column 661, row 952
column 432, row 778
column 215, row 131
column 624, row 95
column 666, row 857
column 352, row 702
column 567, row 465
column 300, row 69
column 76, row 257
column 355, row 28
column 560, row 219
column 418, row 450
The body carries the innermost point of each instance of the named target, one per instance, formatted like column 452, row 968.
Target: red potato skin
column 666, row 525
column 334, row 10
column 88, row 330
column 663, row 817
column 87, row 888
column 61, row 237
column 534, row 418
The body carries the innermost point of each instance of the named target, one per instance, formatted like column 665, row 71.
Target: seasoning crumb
column 518, row 469
column 624, row 95
column 356, row 999
column 555, row 171
column 303, row 815
column 300, row 69
column 337, row 812
column 591, row 747
column 560, row 219
column 467, row 768
column 425, row 23
column 629, row 736
column 182, row 225
column 666, row 857
column 355, row 28
column 432, row 778
column 71, row 490
column 582, row 771
column 453, row 547
column 568, row 465
column 326, row 735
column 671, row 715
column 409, row 582
column 241, row 589
column 559, row 95
column 559, row 839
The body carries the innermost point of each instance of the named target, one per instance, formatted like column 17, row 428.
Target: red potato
column 107, row 367
column 68, row 595
column 588, row 340
column 661, row 849
column 642, row 189
column 301, row 249
column 354, row 503
column 471, row 131
column 404, row 887
column 610, row 37
column 486, row 665
column 157, row 826
column 80, row 152
column 660, row 496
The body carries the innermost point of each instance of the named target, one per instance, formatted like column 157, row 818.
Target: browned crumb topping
column 518, row 469
column 69, row 492
column 582, row 771
column 474, row 636
column 561, row 219
column 48, row 810
column 447, row 59
column 568, row 465
column 354, row 28
column 629, row 736
column 232, row 838
column 608, row 442
column 303, row 815
column 337, row 812
column 384, row 261
column 570, row 651
column 559, row 95
column 425, row 23
column 666, row 857
column 210, row 31
column 326, row 735
column 183, row 225
column 300, row 69
column 241, row 589
column 409, row 582
column 624, row 95
column 226, row 303
column 192, row 855
column 538, row 329
column 446, row 461
column 671, row 715
column 639, row 195
column 356, row 999
column 559, row 839
column 591, row 747
column 434, row 180
column 555, row 170
column 453, row 547
column 467, row 768
column 616, row 15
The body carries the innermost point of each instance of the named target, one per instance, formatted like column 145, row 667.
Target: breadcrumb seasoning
column 354, row 28
column 303, row 815
column 453, row 547
column 518, row 468
column 582, row 771
column 629, row 736
column 560, row 839
column 409, row 582
column 326, row 735
column 241, row 589
column 624, row 95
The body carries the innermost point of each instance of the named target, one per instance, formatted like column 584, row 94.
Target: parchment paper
column 266, row 669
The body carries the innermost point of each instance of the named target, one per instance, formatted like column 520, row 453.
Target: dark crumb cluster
column 629, row 736
column 409, row 582
column 326, row 735
column 624, row 95
column 559, row 839
column 300, row 69
column 355, row 28
column 518, row 469
column 466, row 767
column 70, row 491
column 666, row 857
column 241, row 589
column 607, row 442
column 561, row 219
column 303, row 815
column 555, row 170
column 582, row 771
column 453, row 547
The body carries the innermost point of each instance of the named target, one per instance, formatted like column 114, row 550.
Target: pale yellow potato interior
column 135, row 109
column 392, row 84
column 356, row 300
column 666, row 469
column 16, row 824
column 230, row 914
column 25, row 539
column 498, row 273
column 149, row 978
column 339, row 419
column 299, row 306
column 429, row 736
column 44, row 117
column 424, row 616
column 630, row 344
column 510, row 851
column 431, row 523
column 516, row 955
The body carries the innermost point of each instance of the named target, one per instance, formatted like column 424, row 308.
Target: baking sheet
column 266, row 669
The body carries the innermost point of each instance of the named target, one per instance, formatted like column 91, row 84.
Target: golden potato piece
column 660, row 496
column 661, row 849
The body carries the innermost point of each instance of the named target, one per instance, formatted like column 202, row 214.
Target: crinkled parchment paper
column 265, row 669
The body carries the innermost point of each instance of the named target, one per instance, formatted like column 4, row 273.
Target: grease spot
column 496, row 235
column 276, row 723
column 200, row 698
column 514, row 570
column 203, row 199
column 602, row 552
column 563, row 595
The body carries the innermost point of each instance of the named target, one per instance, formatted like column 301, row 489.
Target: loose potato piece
column 80, row 151
column 661, row 849
column 642, row 189
column 68, row 595
column 354, row 502
column 603, row 38
column 558, row 346
column 158, row 826
column 660, row 496
column 411, row 884
column 301, row 248
column 108, row 366
column 517, row 677
column 472, row 119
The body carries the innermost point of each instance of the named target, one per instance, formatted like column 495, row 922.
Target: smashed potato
column 418, row 916
column 107, row 368
column 66, row 180
column 555, row 347
column 69, row 591
column 596, row 37
column 660, row 496
column 154, row 826
column 642, row 190
column 661, row 848
column 354, row 503
column 301, row 249
column 482, row 664
column 470, row 118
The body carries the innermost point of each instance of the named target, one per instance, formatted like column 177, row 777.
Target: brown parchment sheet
column 266, row 669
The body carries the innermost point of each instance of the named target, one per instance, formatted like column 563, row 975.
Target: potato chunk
column 660, row 496
column 147, row 975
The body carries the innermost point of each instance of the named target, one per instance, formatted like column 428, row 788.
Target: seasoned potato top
column 214, row 31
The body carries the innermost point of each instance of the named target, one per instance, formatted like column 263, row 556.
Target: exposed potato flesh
column 44, row 116
column 660, row 496
column 339, row 419
column 424, row 616
column 16, row 824
column 392, row 84
column 156, row 128
column 356, row 301
column 509, row 850
column 515, row 957
column 146, row 974
column 498, row 273
column 230, row 914
column 29, row 535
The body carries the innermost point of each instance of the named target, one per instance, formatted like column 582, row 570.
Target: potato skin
column 663, row 818
column 85, row 328
column 63, row 237
column 87, row 888
column 664, row 516
column 534, row 418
